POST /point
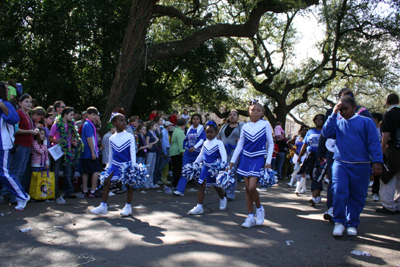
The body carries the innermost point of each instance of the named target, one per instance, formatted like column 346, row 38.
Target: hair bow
column 254, row 101
column 113, row 114
column 211, row 123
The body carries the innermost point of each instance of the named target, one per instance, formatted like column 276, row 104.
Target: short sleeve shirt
column 87, row 131
column 311, row 139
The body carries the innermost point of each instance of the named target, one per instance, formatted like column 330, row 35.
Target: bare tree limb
column 296, row 120
column 173, row 12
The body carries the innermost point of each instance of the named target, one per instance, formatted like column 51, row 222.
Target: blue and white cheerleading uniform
column 122, row 152
column 194, row 138
column 252, row 148
column 7, row 179
column 357, row 142
column 210, row 152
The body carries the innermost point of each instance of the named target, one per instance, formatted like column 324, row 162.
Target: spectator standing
column 185, row 115
column 165, row 145
column 390, row 182
column 229, row 135
column 8, row 118
column 82, row 121
column 142, row 150
column 90, row 156
column 151, row 157
column 59, row 107
column 153, row 114
column 64, row 133
column 176, row 150
column 174, row 118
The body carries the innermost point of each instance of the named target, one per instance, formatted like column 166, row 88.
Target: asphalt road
column 162, row 233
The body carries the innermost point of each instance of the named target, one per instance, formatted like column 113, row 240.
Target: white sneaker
column 351, row 231
column 99, row 210
column 328, row 215
column 317, row 200
column 222, row 203
column 371, row 183
column 338, row 229
column 126, row 211
column 196, row 210
column 312, row 201
column 153, row 186
column 260, row 216
column 111, row 194
column 249, row 222
column 177, row 193
column 262, row 189
column 22, row 204
column 375, row 197
column 326, row 181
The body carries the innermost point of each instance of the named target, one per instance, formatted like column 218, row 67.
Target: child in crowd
column 142, row 151
column 122, row 151
column 106, row 143
column 311, row 145
column 252, row 150
column 276, row 151
column 357, row 143
column 8, row 118
column 211, row 151
column 40, row 157
column 48, row 122
column 90, row 156
column 151, row 157
column 279, row 132
column 298, row 141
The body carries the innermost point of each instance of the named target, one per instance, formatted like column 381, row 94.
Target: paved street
column 161, row 233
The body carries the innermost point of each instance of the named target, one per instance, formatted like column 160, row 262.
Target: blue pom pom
column 266, row 178
column 217, row 167
column 135, row 175
column 191, row 171
column 225, row 179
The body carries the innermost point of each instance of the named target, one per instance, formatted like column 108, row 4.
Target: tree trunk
column 132, row 60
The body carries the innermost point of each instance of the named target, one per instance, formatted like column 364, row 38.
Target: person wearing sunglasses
column 59, row 106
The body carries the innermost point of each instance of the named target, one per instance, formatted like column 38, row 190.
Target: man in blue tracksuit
column 8, row 118
column 357, row 143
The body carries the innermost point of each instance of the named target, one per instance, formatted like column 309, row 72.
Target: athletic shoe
column 326, row 181
column 290, row 185
column 22, row 204
column 126, row 211
column 196, row 210
column 70, row 196
column 371, row 183
column 153, row 186
column 262, row 189
column 249, row 222
column 83, row 194
column 328, row 215
column 99, row 210
column 351, row 231
column 317, row 200
column 222, row 203
column 384, row 210
column 338, row 229
column 375, row 197
column 160, row 183
column 177, row 193
column 111, row 194
column 91, row 195
column 260, row 216
column 312, row 201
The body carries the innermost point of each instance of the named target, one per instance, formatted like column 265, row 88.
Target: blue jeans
column 141, row 160
column 151, row 158
column 187, row 158
column 280, row 157
column 18, row 163
column 56, row 166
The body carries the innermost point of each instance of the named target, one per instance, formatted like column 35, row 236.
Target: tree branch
column 296, row 120
column 248, row 29
column 173, row 12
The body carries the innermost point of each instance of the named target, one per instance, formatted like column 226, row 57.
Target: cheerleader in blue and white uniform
column 212, row 151
column 122, row 154
column 195, row 136
column 252, row 150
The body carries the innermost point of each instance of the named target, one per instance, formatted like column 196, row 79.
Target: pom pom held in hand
column 225, row 179
column 267, row 178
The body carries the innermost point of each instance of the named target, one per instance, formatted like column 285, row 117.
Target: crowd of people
column 348, row 148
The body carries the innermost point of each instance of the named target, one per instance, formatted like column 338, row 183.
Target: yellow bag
column 42, row 185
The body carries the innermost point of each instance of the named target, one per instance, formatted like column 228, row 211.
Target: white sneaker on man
column 249, row 222
column 328, row 215
column 317, row 200
column 338, row 229
column 196, row 211
column 351, row 231
column 126, row 211
column 99, row 210
column 222, row 203
column 22, row 204
column 177, row 193
column 375, row 197
column 260, row 216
